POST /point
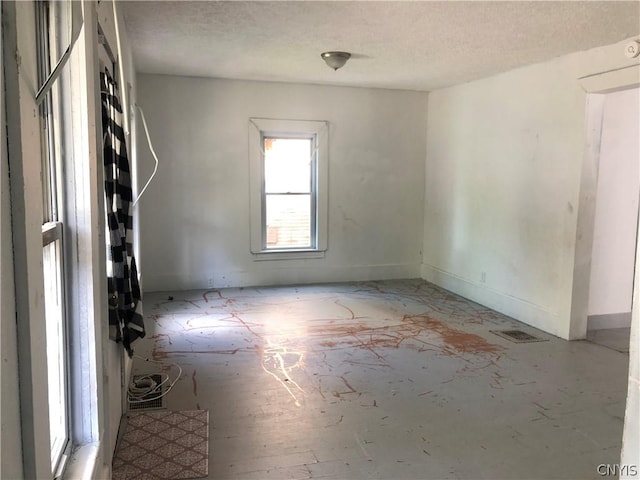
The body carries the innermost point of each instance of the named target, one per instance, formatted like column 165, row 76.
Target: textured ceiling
column 417, row 45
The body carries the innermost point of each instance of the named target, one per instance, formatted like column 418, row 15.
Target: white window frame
column 312, row 190
column 85, row 271
column 53, row 129
column 259, row 129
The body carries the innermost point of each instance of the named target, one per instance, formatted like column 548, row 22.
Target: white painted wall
column 10, row 433
column 614, row 242
column 194, row 217
column 10, row 438
column 503, row 169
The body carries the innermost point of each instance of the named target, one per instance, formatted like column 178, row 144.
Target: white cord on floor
column 146, row 389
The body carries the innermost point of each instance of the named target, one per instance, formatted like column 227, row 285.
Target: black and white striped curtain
column 125, row 303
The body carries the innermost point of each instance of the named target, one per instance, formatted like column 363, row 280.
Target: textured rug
column 163, row 445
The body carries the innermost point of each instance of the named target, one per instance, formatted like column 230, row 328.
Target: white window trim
column 87, row 301
column 258, row 127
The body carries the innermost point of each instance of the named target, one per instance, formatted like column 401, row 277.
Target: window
column 288, row 188
column 289, row 213
column 53, row 20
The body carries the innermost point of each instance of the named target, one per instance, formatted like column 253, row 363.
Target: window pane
column 53, row 38
column 56, row 364
column 288, row 221
column 287, row 165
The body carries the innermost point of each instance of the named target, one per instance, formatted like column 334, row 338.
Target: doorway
column 598, row 88
column 615, row 222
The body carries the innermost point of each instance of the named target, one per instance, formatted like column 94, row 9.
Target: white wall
column 194, row 217
column 10, row 438
column 503, row 169
column 614, row 242
column 10, row 434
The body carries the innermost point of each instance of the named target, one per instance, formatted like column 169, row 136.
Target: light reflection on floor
column 394, row 379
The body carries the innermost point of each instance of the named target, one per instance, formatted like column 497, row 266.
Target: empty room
column 307, row 239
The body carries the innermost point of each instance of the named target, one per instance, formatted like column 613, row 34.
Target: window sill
column 287, row 254
column 83, row 463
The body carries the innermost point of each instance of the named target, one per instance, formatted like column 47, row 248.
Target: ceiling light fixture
column 335, row 59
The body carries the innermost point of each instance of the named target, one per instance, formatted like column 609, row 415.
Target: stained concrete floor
column 383, row 380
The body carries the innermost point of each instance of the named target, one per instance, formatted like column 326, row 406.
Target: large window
column 53, row 38
column 288, row 187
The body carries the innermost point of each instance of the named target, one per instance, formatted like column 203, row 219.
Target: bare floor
column 383, row 380
column 614, row 338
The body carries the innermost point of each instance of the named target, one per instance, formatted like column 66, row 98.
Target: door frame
column 596, row 87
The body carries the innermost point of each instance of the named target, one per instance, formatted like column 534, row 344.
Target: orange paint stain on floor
column 195, row 384
column 462, row 342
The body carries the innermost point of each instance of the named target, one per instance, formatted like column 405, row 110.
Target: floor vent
column 518, row 336
column 150, row 401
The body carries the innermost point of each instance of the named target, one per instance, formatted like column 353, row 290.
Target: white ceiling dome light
column 335, row 60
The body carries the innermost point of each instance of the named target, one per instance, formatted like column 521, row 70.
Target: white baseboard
column 610, row 320
column 519, row 309
column 268, row 273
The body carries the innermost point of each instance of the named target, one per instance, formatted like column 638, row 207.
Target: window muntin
column 289, row 195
